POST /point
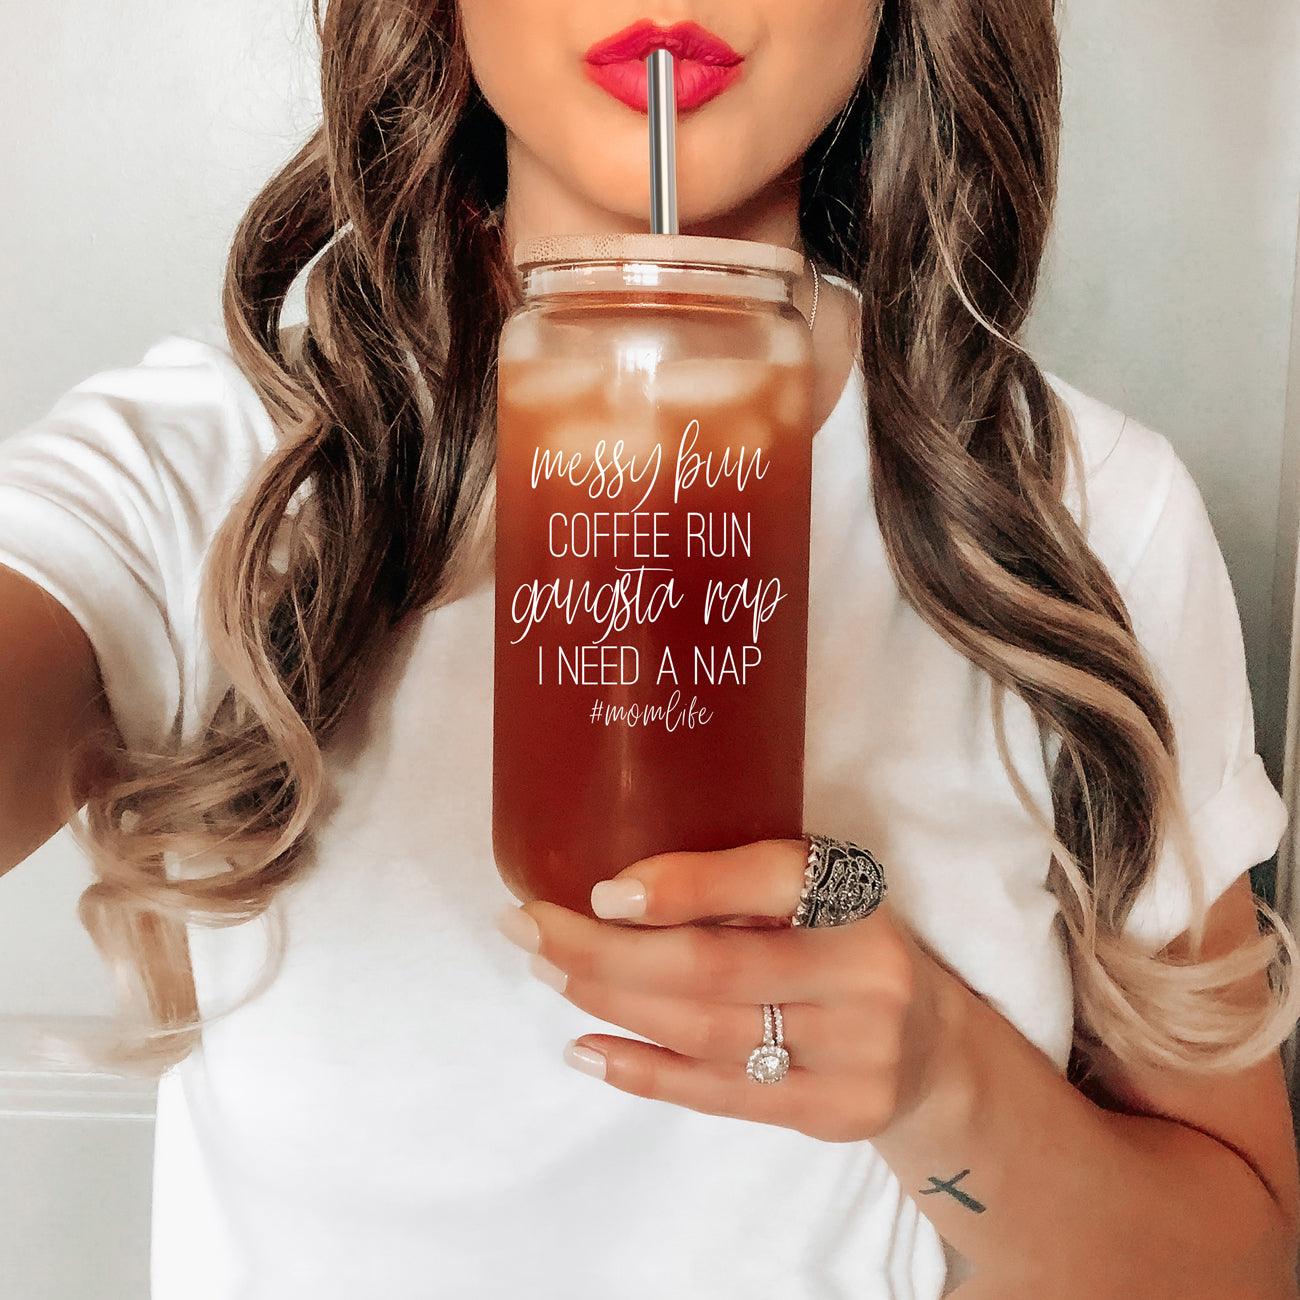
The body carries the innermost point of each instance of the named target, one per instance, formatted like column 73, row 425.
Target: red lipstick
column 704, row 65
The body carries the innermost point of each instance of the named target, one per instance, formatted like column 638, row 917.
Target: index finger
column 703, row 962
column 754, row 884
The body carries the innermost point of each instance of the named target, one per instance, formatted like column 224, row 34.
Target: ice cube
column 517, row 345
column 707, row 381
column 553, row 382
column 791, row 400
column 579, row 434
column 789, row 347
column 735, row 431
column 637, row 348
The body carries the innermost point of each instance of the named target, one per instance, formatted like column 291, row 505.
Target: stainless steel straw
column 663, row 142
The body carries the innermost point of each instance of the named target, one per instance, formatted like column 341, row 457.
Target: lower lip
column 694, row 83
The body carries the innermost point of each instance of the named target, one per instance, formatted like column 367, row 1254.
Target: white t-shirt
column 392, row 1116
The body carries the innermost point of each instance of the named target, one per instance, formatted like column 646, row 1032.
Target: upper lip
column 685, row 40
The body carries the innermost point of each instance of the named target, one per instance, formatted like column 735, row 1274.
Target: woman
column 1045, row 1062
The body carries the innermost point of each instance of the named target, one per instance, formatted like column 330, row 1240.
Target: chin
column 607, row 180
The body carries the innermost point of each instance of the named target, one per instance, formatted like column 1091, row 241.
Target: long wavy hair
column 932, row 192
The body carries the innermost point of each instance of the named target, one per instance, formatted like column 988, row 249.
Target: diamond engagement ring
column 770, row 1062
column 841, row 883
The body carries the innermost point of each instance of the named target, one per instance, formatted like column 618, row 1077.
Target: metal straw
column 663, row 142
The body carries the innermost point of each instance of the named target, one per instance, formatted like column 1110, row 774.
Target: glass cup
column 653, row 480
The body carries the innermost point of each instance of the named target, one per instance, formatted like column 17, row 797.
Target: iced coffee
column 652, row 516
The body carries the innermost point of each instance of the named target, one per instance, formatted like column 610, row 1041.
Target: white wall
column 1170, row 287
column 135, row 134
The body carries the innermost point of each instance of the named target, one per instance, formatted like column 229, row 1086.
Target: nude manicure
column 548, row 972
column 519, row 928
column 585, row 1058
column 618, row 898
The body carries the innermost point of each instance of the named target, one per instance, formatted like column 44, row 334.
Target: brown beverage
column 652, row 512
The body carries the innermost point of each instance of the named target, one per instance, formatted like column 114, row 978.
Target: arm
column 50, row 700
column 1149, row 1184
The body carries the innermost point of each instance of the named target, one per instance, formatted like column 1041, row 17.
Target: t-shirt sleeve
column 109, row 502
column 1184, row 611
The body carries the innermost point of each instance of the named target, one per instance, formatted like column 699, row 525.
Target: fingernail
column 519, row 928
column 615, row 898
column 547, row 972
column 584, row 1058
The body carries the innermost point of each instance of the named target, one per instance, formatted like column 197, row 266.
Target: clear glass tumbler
column 653, row 479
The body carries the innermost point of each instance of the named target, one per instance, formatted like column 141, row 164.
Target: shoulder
column 109, row 501
column 154, row 452
column 1147, row 521
column 1138, row 498
column 182, row 415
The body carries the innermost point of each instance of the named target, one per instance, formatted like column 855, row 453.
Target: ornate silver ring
column 841, row 883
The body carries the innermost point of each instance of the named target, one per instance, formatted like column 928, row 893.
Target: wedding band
column 842, row 882
column 770, row 1062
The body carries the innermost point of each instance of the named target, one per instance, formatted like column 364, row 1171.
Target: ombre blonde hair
column 932, row 192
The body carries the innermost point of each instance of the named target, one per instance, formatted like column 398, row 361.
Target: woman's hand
column 861, row 1001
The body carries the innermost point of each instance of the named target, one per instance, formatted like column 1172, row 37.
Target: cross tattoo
column 950, row 1186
